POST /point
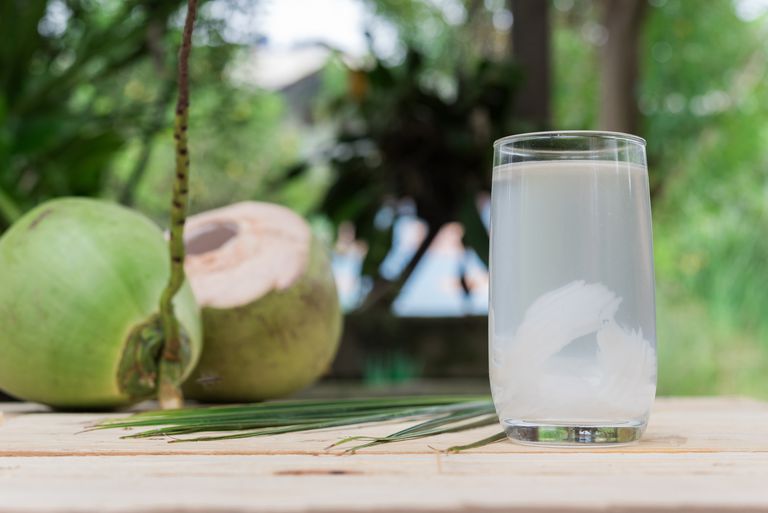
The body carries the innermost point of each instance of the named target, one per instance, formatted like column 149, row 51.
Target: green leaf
column 437, row 415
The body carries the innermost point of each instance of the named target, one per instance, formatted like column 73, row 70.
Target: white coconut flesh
column 240, row 253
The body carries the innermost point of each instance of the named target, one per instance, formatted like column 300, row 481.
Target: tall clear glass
column 572, row 312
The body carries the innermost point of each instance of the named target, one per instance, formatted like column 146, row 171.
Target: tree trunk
column 531, row 50
column 385, row 292
column 619, row 65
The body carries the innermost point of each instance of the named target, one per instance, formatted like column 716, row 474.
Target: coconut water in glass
column 572, row 315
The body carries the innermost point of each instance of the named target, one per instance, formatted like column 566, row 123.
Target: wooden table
column 707, row 454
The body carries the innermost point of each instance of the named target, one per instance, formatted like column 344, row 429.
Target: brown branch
column 384, row 292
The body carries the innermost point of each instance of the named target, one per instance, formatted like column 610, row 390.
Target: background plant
column 85, row 109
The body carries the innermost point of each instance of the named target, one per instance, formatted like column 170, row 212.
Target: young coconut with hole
column 271, row 313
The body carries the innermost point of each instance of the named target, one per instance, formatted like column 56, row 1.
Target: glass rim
column 552, row 134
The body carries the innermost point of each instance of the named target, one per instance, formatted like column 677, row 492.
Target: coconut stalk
column 170, row 365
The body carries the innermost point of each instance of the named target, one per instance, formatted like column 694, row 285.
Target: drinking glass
column 572, row 313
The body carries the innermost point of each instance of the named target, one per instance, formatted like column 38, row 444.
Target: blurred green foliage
column 706, row 112
column 60, row 122
column 86, row 93
column 703, row 97
column 242, row 138
column 86, row 97
column 712, row 156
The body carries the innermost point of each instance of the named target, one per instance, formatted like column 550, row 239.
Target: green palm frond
column 437, row 415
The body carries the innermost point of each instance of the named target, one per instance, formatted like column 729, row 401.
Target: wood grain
column 699, row 455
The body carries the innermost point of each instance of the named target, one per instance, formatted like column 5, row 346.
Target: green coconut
column 80, row 281
column 271, row 313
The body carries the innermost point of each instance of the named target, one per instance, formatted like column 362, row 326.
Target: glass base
column 560, row 435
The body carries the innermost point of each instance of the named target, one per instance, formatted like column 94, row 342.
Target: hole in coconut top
column 209, row 237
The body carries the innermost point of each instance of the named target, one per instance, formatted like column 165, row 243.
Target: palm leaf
column 436, row 415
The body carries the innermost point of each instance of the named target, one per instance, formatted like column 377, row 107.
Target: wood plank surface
column 705, row 454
